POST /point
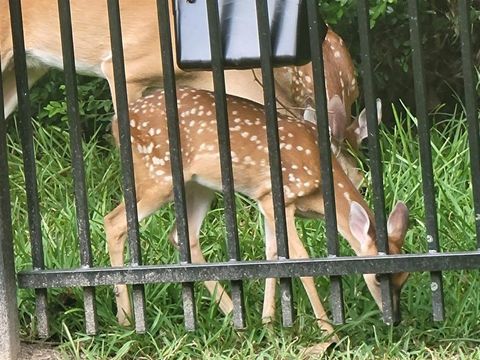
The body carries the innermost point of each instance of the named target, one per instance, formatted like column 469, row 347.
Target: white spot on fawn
column 158, row 161
column 149, row 148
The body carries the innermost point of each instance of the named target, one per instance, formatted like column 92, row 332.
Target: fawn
column 249, row 151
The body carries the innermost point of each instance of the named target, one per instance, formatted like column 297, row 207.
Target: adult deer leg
column 9, row 84
column 134, row 88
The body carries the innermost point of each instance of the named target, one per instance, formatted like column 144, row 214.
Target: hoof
column 318, row 350
column 123, row 320
column 267, row 321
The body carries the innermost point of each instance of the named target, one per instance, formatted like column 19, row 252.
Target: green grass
column 363, row 336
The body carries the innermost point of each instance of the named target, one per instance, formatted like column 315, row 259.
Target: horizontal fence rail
column 386, row 264
column 234, row 269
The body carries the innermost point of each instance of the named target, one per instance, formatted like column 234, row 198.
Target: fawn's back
column 200, row 153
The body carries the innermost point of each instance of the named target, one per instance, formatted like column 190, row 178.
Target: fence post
column 9, row 338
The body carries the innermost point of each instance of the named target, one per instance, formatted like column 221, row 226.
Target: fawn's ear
column 337, row 118
column 397, row 227
column 359, row 223
column 360, row 126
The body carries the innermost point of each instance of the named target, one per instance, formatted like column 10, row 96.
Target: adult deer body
column 144, row 68
column 200, row 153
column 141, row 47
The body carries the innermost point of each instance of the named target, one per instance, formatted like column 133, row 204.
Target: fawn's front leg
column 268, row 312
column 115, row 230
column 148, row 201
column 297, row 251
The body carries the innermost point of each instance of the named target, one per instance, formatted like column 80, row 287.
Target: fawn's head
column 364, row 232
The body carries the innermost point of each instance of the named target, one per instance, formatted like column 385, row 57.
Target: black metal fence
column 236, row 270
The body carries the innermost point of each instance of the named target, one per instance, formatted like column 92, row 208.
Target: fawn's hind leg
column 198, row 200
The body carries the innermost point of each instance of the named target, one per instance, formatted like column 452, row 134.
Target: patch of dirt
column 39, row 351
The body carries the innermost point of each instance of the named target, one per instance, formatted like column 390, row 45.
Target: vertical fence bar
column 80, row 189
column 26, row 134
column 317, row 34
column 471, row 107
column 9, row 335
column 426, row 157
column 126, row 156
column 176, row 155
column 274, row 155
column 375, row 154
column 225, row 155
